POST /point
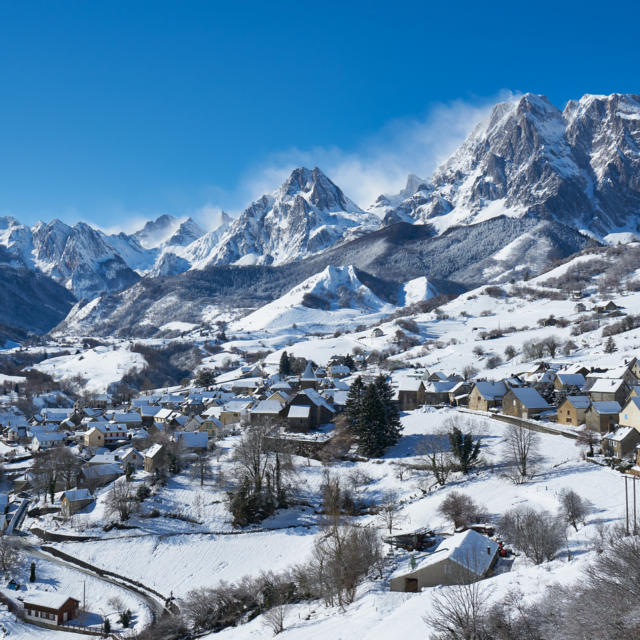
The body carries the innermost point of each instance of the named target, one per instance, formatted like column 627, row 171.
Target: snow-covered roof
column 299, row 411
column 572, row 379
column 193, row 439
column 47, row 599
column 608, row 407
column 98, row 470
column 530, row 398
column 75, row 495
column 317, row 399
column 237, row 405
column 410, row 384
column 469, row 549
column 153, row 450
column 607, row 385
column 619, row 434
column 440, row 386
column 579, row 402
column 270, row 407
column 49, row 436
column 491, row 390
column 308, row 374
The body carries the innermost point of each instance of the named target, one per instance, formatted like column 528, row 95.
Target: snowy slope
column 99, row 366
column 331, row 298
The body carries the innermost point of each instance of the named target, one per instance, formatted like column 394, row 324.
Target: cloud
column 381, row 163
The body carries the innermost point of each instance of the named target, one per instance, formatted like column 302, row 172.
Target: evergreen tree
column 32, row 575
column 285, row 364
column 372, row 430
column 349, row 362
column 393, row 426
column 353, row 405
column 610, row 345
column 464, row 449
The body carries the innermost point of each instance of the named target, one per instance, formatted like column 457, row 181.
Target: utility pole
column 626, row 503
column 635, row 522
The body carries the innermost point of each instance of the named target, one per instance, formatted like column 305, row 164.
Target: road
column 155, row 606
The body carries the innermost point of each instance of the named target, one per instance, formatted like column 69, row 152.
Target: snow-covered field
column 99, row 366
column 174, row 557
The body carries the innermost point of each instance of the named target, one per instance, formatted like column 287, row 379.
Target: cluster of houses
column 606, row 402
column 111, row 440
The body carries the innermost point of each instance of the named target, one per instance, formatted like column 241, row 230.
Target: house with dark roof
column 320, row 411
column 487, row 395
column 524, row 402
column 602, row 416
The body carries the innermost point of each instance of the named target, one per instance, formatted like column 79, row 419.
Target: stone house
column 573, row 409
column 602, row 416
column 486, row 395
column 524, row 402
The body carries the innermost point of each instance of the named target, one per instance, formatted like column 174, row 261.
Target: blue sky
column 112, row 111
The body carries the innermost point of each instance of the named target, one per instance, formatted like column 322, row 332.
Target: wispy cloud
column 381, row 163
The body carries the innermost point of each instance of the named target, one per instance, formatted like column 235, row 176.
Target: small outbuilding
column 50, row 608
column 463, row 557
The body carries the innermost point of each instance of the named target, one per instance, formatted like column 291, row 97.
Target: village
column 73, row 473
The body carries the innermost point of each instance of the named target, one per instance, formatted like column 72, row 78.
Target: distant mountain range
column 530, row 184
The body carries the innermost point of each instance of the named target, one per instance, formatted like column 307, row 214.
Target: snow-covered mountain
column 580, row 166
column 80, row 258
column 306, row 215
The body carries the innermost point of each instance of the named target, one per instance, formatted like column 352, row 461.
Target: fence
column 527, row 424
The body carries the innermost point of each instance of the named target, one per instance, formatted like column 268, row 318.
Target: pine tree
column 349, row 362
column 353, row 405
column 393, row 426
column 610, row 345
column 285, row 364
column 380, row 420
column 371, row 438
column 464, row 449
column 32, row 574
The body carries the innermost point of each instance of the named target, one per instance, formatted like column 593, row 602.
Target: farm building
column 457, row 559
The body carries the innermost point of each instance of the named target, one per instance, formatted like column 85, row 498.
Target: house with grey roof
column 524, row 402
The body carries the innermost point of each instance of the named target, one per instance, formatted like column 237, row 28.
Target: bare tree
column 67, row 466
column 573, row 508
column 537, row 533
column 274, row 618
column 389, row 510
column 588, row 437
column 436, row 454
column 469, row 372
column 458, row 613
column 201, row 468
column 461, row 509
column 521, row 447
column 121, row 500
column 341, row 558
column 10, row 556
column 45, row 472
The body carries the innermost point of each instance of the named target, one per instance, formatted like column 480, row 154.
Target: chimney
column 488, row 550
